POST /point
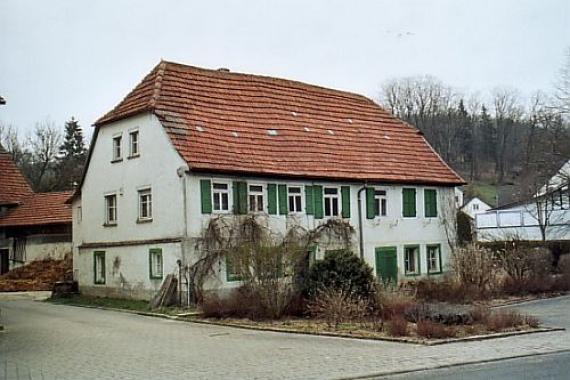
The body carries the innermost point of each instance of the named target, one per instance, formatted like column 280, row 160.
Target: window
column 475, row 206
column 117, row 148
column 331, row 201
column 232, row 269
column 221, row 197
column 133, row 143
column 380, row 203
column 155, row 263
column 99, row 267
column 294, row 199
column 145, row 204
column 430, row 203
column 434, row 259
column 409, row 203
column 255, row 198
column 111, row 209
column 411, row 260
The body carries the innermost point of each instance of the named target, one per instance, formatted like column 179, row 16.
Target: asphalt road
column 548, row 367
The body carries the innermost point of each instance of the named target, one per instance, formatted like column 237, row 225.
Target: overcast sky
column 64, row 58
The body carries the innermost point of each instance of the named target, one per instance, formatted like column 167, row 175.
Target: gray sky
column 64, row 58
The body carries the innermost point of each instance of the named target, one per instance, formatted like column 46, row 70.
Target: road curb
column 381, row 375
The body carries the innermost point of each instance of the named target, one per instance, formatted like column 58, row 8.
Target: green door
column 387, row 265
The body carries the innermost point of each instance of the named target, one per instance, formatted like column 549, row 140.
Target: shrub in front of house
column 337, row 306
column 433, row 330
column 343, row 271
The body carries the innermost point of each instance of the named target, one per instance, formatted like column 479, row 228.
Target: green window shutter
column 309, row 209
column 283, row 207
column 272, row 198
column 152, row 274
column 318, row 201
column 370, row 213
column 430, row 203
column 240, row 197
column 206, row 195
column 409, row 203
column 345, row 194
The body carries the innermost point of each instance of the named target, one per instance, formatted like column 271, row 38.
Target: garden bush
column 337, row 306
column 398, row 326
column 433, row 330
column 343, row 271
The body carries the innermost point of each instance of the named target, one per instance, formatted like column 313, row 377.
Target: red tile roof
column 13, row 185
column 221, row 121
column 39, row 209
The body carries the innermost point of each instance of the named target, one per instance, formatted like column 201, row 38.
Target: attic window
column 272, row 132
column 235, row 134
column 199, row 128
column 330, row 132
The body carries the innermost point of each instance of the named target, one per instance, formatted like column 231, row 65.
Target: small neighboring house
column 32, row 225
column 191, row 144
column 544, row 217
column 475, row 206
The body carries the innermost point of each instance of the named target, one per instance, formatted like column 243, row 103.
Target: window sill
column 99, row 283
column 412, row 274
column 114, row 161
column 133, row 156
column 156, row 277
column 434, row 273
column 142, row 221
column 109, row 224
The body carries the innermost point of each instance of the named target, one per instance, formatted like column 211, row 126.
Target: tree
column 562, row 92
column 43, row 145
column 72, row 156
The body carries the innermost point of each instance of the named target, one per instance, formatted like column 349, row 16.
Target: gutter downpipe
column 360, row 227
column 181, row 172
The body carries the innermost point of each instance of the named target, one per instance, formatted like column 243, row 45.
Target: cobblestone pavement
column 45, row 341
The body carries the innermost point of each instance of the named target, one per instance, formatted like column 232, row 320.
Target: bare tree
column 507, row 114
column 43, row 144
column 562, row 92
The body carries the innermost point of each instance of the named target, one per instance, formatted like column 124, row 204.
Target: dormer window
column 117, row 154
column 134, row 144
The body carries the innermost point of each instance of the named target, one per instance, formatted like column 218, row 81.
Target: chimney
column 224, row 69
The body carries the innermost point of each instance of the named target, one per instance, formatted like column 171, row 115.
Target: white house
column 189, row 144
column 475, row 206
column 546, row 216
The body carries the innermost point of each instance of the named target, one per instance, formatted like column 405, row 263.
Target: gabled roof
column 221, row 121
column 13, row 185
column 39, row 209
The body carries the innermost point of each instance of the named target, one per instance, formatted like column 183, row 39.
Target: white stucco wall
column 39, row 247
column 475, row 206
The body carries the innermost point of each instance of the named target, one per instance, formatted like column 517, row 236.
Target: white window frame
column 331, row 198
column 297, row 207
column 108, row 220
column 416, row 260
column 117, row 147
column 156, row 264
column 132, row 143
column 99, row 272
column 220, row 193
column 142, row 193
column 259, row 198
column 379, row 198
column 430, row 249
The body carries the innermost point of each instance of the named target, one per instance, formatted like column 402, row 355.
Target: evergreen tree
column 72, row 156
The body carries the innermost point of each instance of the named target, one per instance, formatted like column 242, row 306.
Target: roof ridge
column 275, row 78
column 157, row 83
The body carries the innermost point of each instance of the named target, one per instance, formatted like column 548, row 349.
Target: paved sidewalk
column 47, row 341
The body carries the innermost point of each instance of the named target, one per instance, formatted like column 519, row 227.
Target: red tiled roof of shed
column 230, row 122
column 39, row 209
column 13, row 185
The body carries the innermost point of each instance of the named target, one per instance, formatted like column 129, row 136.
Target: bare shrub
column 521, row 262
column 480, row 314
column 562, row 280
column 398, row 326
column 532, row 321
column 474, row 267
column 240, row 303
column 446, row 290
column 433, row 330
column 337, row 306
column 504, row 319
column 394, row 304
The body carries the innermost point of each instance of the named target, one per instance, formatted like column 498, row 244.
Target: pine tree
column 72, row 156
